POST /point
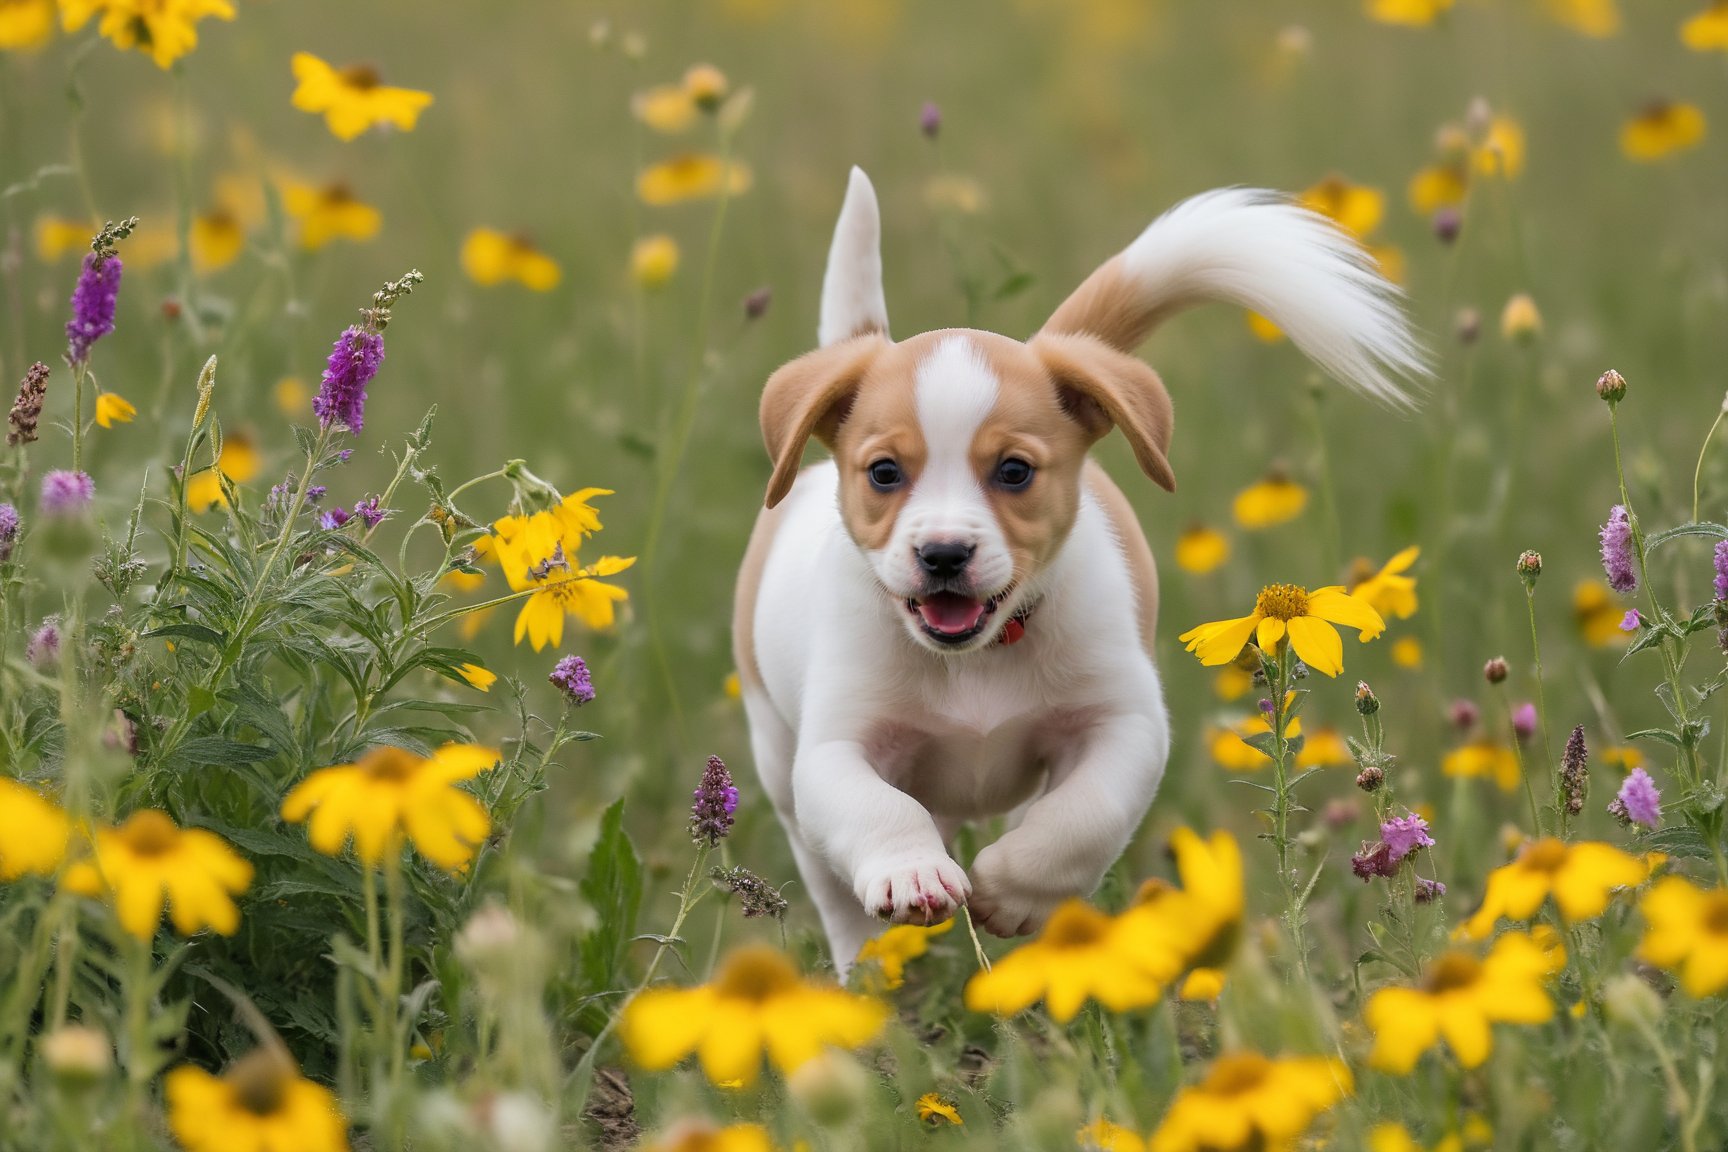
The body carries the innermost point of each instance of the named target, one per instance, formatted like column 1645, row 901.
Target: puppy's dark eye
column 1014, row 474
column 884, row 475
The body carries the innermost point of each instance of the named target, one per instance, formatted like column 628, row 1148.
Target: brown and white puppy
column 953, row 617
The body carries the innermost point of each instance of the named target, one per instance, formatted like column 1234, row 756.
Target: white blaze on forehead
column 956, row 391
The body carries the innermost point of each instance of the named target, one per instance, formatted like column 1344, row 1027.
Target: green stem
column 1698, row 472
column 79, row 372
column 1541, row 705
column 1294, row 915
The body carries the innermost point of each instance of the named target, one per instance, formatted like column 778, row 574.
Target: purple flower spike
column 333, row 519
column 1638, row 801
column 1404, row 834
column 93, row 302
column 354, row 361
column 716, row 800
column 64, row 493
column 1617, row 551
column 8, row 531
column 1722, row 570
column 930, row 119
column 571, row 676
column 44, row 646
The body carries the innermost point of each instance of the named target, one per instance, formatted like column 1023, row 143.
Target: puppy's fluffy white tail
column 1259, row 250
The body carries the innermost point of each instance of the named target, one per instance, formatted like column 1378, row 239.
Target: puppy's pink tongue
column 951, row 612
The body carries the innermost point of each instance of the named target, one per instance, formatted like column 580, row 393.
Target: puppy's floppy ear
column 809, row 397
column 1101, row 387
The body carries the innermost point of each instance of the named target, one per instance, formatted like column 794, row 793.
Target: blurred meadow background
column 1543, row 177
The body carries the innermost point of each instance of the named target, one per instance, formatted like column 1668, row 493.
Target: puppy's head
column 959, row 451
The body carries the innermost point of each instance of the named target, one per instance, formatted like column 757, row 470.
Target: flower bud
column 830, row 1088
column 1370, row 778
column 1628, row 1000
column 756, row 304
column 1447, row 223
column 76, row 1055
column 1366, row 702
column 1520, row 322
column 1530, row 566
column 490, row 936
column 1496, row 670
column 706, row 86
column 1467, row 326
column 1611, row 386
column 930, row 120
column 1463, row 714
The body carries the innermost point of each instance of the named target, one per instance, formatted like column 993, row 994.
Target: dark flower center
column 1282, row 602
column 361, row 77
column 1236, row 1075
column 1545, row 855
column 1452, row 971
column 1716, row 912
column 392, row 765
column 150, row 833
column 260, row 1082
column 1076, row 926
column 756, row 975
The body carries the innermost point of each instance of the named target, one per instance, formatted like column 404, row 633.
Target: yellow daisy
column 25, row 24
column 490, row 257
column 1201, row 549
column 57, row 235
column 149, row 860
column 1249, row 1101
column 897, row 945
column 1407, row 652
column 1388, row 591
column 1581, row 877
column 654, row 261
column 1686, row 931
column 703, row 1136
column 1288, row 610
column 33, row 832
column 354, row 98
column 1623, row 757
column 166, row 29
column 665, row 108
column 691, row 177
column 240, row 462
column 756, row 1004
column 1520, row 320
column 1108, row 1136
column 1595, row 18
column 1203, row 918
column 538, row 552
column 1663, row 128
column 113, row 408
column 1355, row 208
column 1082, row 954
column 1708, row 30
column 1231, row 750
column 1597, row 613
column 291, row 396
column 218, row 237
column 1438, row 186
column 1324, row 747
column 329, row 213
column 1501, row 152
column 261, row 1104
column 1268, row 503
column 706, row 86
column 1234, row 681
column 936, row 1112
column 1410, row 13
column 1484, row 758
column 1460, row 997
column 391, row 793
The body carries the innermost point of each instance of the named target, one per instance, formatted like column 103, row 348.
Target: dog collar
column 1015, row 630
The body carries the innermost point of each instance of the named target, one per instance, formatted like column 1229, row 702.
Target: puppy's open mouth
column 952, row 617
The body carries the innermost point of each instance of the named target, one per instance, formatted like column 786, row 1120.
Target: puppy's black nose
column 944, row 559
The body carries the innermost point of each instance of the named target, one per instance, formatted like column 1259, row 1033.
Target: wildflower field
column 383, row 449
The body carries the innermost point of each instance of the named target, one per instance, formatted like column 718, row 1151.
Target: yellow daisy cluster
column 1581, row 877
column 1288, row 611
column 538, row 553
column 164, row 29
column 756, row 1004
column 1126, row 961
column 1492, row 146
column 491, row 257
column 672, row 108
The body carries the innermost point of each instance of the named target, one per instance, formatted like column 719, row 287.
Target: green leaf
column 1700, row 528
column 1661, row 734
column 1679, row 841
column 217, row 752
column 1264, row 743
column 612, row 886
column 190, row 632
column 199, row 700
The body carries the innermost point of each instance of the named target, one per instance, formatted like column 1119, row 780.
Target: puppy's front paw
column 1005, row 900
column 916, row 889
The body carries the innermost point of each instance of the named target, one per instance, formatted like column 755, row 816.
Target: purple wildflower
column 354, row 360
column 1617, row 551
column 1722, row 570
column 333, row 519
column 715, row 802
column 93, row 302
column 571, row 676
column 27, row 409
column 930, row 119
column 44, row 646
column 1402, row 835
column 369, row 511
column 66, row 492
column 1428, row 891
column 315, row 493
column 8, row 531
column 1631, row 622
column 1374, row 860
column 1524, row 721
column 1638, row 801
column 1265, row 707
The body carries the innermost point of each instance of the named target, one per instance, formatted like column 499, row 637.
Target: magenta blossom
column 1617, row 560
column 1404, row 834
column 1638, row 801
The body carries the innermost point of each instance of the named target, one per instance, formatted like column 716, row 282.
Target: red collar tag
column 1013, row 631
